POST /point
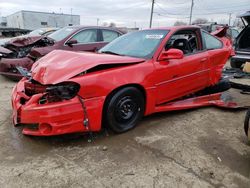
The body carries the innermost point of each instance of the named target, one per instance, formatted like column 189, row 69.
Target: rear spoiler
column 221, row 31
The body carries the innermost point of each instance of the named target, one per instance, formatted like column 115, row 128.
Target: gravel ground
column 204, row 147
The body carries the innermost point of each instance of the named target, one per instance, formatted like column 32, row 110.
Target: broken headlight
column 59, row 92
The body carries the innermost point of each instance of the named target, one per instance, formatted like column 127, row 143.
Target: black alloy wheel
column 124, row 109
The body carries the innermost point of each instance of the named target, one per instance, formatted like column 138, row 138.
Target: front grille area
column 32, row 89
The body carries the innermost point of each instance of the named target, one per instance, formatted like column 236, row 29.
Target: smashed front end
column 45, row 110
column 20, row 47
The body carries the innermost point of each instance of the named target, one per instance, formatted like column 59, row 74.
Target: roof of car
column 78, row 27
column 178, row 27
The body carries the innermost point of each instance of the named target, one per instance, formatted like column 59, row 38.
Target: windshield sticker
column 154, row 36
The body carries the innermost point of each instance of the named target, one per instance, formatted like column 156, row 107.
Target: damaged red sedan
column 20, row 46
column 72, row 38
column 136, row 75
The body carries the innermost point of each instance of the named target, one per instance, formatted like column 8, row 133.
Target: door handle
column 203, row 60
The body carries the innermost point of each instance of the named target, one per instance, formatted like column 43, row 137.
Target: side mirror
column 71, row 42
column 172, row 53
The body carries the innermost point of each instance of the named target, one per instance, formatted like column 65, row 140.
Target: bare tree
column 109, row 24
column 105, row 24
column 200, row 21
column 112, row 24
column 178, row 23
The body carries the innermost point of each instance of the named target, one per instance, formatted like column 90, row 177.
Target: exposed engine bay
column 21, row 48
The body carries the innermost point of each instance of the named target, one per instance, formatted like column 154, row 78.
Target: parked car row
column 136, row 74
column 74, row 38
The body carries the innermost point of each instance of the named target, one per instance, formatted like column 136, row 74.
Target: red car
column 137, row 74
column 73, row 38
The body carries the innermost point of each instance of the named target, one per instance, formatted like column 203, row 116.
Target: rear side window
column 108, row 35
column 86, row 36
column 210, row 42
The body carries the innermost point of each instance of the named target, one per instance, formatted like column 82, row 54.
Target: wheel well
column 138, row 86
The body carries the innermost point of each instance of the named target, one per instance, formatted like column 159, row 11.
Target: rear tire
column 124, row 109
column 247, row 123
column 236, row 63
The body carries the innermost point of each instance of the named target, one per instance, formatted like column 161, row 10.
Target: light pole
column 229, row 21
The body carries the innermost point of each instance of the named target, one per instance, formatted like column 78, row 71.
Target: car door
column 87, row 40
column 180, row 77
column 218, row 56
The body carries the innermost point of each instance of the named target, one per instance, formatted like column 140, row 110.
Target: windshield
column 137, row 44
column 61, row 33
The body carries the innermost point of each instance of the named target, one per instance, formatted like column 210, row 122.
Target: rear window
column 211, row 42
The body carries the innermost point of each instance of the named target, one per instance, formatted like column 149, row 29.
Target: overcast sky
column 132, row 12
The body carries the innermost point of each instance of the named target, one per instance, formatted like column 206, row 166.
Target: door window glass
column 108, row 35
column 86, row 36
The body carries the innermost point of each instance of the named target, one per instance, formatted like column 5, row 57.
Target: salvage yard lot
column 204, row 147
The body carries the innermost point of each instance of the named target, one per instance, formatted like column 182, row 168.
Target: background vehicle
column 20, row 46
column 73, row 38
column 232, row 32
column 137, row 74
column 242, row 44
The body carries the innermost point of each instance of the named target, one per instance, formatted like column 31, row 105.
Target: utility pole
column 229, row 21
column 97, row 21
column 71, row 19
column 191, row 12
column 151, row 14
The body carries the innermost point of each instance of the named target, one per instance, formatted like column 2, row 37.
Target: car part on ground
column 234, row 73
column 136, row 74
column 73, row 38
column 242, row 44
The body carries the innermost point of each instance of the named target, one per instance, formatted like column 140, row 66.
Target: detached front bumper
column 54, row 118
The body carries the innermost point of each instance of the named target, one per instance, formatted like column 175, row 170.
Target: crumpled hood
column 59, row 65
column 4, row 50
column 24, row 40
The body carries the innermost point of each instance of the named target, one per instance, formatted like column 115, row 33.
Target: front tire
column 124, row 109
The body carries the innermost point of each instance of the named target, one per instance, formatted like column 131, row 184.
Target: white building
column 3, row 21
column 33, row 20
